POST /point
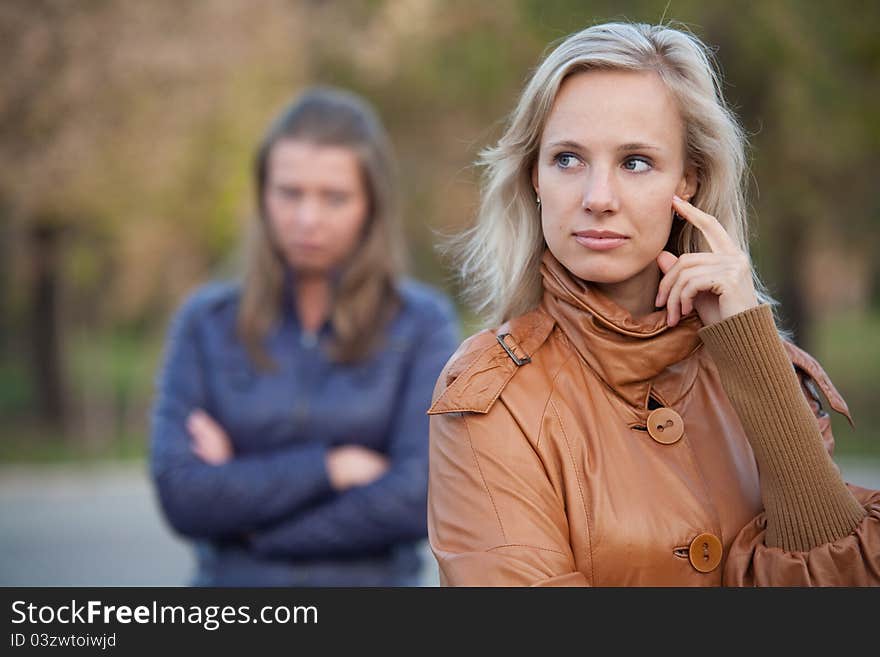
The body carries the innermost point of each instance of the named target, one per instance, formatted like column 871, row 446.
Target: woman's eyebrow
column 638, row 146
column 566, row 143
column 631, row 146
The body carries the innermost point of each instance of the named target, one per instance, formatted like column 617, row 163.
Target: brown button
column 665, row 425
column 705, row 552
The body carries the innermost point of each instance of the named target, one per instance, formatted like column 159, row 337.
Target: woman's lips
column 306, row 246
column 600, row 243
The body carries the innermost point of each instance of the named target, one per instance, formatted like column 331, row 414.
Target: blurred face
column 611, row 157
column 317, row 204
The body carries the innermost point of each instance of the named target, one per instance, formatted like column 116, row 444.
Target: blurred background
column 127, row 133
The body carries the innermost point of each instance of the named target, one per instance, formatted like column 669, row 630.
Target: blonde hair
column 365, row 296
column 499, row 257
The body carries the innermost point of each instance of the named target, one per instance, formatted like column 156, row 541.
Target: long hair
column 365, row 294
column 499, row 257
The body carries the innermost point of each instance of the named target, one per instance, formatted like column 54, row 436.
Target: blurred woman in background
column 289, row 434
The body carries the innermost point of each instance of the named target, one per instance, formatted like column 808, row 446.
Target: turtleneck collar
column 288, row 297
column 634, row 357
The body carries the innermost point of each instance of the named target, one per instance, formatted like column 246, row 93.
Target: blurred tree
column 127, row 130
column 34, row 51
column 129, row 127
column 804, row 78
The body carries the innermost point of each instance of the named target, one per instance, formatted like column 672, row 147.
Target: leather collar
column 634, row 357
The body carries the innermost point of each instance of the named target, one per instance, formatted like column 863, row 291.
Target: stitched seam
column 483, row 478
column 501, row 388
column 580, row 489
column 550, row 393
column 464, row 409
column 523, row 545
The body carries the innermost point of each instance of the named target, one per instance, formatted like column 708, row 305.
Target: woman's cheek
column 351, row 229
column 655, row 212
column 549, row 225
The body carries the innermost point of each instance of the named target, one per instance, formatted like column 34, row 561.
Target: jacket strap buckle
column 510, row 345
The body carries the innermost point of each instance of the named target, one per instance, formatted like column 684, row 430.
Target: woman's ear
column 535, row 180
column 687, row 188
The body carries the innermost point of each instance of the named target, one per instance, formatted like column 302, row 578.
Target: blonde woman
column 289, row 435
column 636, row 418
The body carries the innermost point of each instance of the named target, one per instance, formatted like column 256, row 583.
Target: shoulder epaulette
column 477, row 378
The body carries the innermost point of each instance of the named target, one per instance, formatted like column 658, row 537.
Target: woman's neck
column 636, row 294
column 312, row 301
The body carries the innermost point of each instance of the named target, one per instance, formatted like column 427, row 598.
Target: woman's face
column 316, row 202
column 611, row 158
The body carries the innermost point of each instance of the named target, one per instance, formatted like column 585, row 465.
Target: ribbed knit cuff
column 805, row 500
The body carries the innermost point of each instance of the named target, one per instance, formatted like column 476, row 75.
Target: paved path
column 100, row 526
column 92, row 526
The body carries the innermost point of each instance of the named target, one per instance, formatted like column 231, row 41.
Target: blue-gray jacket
column 269, row 517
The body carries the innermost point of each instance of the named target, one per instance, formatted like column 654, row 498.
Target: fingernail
column 676, row 197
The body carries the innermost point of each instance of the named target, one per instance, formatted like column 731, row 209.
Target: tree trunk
column 790, row 244
column 45, row 326
column 6, row 320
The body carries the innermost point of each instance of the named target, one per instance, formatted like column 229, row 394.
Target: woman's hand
column 718, row 284
column 353, row 465
column 209, row 441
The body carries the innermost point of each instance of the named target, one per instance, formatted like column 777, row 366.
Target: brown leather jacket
column 576, row 446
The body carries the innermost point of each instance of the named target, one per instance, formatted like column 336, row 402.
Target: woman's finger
column 704, row 282
column 206, row 420
column 672, row 308
column 199, row 431
column 204, row 427
column 690, row 280
column 211, row 457
column 198, row 450
column 686, row 261
column 718, row 239
column 194, row 427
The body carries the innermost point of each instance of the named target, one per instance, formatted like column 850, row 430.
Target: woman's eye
column 566, row 160
column 636, row 164
column 337, row 198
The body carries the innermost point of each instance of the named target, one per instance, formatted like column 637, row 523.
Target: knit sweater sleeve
column 808, row 509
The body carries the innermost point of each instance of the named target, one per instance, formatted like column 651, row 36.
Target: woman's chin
column 601, row 275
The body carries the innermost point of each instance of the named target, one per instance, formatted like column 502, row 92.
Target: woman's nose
column 599, row 194
column 307, row 214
